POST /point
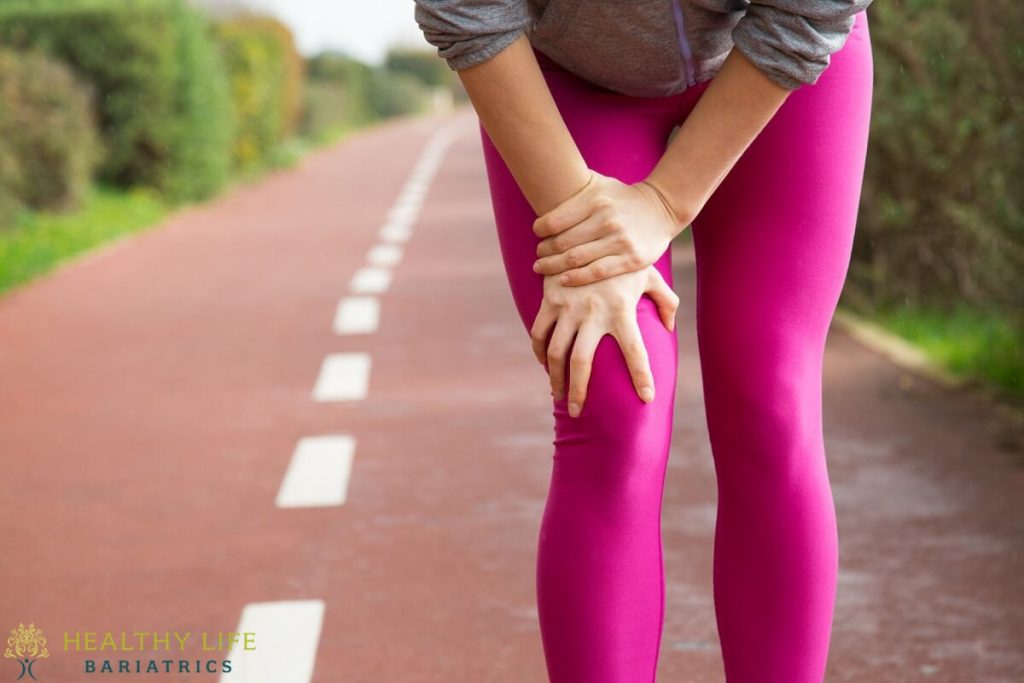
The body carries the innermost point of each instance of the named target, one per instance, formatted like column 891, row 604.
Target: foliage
column 48, row 140
column 942, row 220
column 392, row 94
column 266, row 73
column 423, row 65
column 37, row 241
column 336, row 96
column 161, row 90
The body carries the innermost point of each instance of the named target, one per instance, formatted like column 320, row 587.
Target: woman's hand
column 606, row 229
column 588, row 313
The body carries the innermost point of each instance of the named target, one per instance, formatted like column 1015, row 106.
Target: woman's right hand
column 588, row 312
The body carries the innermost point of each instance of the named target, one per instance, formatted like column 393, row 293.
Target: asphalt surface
column 152, row 394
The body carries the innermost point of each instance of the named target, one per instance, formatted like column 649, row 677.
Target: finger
column 598, row 269
column 558, row 352
column 635, row 352
column 542, row 324
column 587, row 230
column 580, row 364
column 577, row 257
column 567, row 214
column 664, row 298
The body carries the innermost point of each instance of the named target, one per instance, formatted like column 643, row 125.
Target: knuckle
column 633, row 348
column 579, row 362
column 602, row 203
column 614, row 223
column 574, row 258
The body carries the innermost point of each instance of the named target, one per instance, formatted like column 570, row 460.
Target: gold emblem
column 26, row 644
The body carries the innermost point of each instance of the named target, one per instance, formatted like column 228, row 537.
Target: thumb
column 664, row 297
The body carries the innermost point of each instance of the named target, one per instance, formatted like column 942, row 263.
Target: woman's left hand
column 605, row 229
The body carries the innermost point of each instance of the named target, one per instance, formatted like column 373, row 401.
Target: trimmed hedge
column 49, row 146
column 942, row 212
column 336, row 94
column 266, row 73
column 164, row 108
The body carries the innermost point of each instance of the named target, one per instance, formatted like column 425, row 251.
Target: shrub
column 266, row 75
column 942, row 214
column 336, row 94
column 49, row 146
column 423, row 65
column 391, row 94
column 161, row 91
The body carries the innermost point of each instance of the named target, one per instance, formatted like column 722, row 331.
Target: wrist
column 677, row 207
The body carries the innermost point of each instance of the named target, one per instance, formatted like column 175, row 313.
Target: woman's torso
column 645, row 48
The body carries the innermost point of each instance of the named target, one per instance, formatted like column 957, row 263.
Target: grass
column 967, row 341
column 38, row 241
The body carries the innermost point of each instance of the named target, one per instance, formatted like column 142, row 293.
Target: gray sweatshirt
column 647, row 48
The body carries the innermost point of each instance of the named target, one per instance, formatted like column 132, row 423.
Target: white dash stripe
column 357, row 315
column 370, row 280
column 385, row 254
column 287, row 635
column 403, row 214
column 395, row 233
column 343, row 377
column 318, row 473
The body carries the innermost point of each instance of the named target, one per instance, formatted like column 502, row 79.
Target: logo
column 26, row 644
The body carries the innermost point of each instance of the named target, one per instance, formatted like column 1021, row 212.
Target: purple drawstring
column 684, row 45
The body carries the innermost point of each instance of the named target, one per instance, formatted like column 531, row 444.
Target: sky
column 362, row 28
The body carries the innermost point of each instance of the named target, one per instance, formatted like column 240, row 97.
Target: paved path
column 196, row 439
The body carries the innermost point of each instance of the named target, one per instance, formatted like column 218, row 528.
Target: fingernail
column 647, row 394
column 564, row 279
column 536, row 266
column 574, row 409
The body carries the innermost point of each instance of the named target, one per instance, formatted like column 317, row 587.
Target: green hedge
column 335, row 95
column 942, row 212
column 48, row 141
column 265, row 72
column 164, row 107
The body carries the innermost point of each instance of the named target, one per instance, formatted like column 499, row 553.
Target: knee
column 766, row 423
column 618, row 438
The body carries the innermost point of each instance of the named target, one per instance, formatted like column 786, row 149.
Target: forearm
column 516, row 108
column 729, row 115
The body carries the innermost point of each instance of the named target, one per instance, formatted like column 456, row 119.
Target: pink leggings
column 772, row 251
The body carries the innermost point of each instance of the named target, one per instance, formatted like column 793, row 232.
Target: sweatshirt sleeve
column 791, row 41
column 469, row 32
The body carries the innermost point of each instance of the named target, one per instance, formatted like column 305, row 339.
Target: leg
column 600, row 584
column 773, row 248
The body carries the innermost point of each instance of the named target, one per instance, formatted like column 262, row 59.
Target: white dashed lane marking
column 287, row 635
column 384, row 255
column 318, row 473
column 343, row 377
column 357, row 315
column 288, row 632
column 370, row 280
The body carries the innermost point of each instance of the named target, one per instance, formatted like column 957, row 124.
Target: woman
column 577, row 102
